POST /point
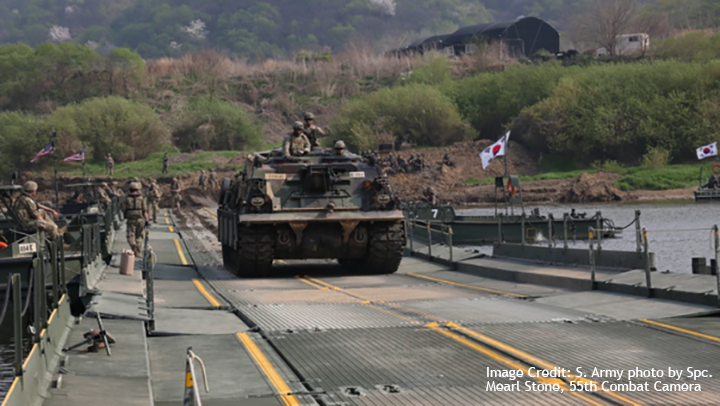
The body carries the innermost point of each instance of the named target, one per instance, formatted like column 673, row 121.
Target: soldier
column 153, row 197
column 203, row 180
column 34, row 214
column 134, row 209
column 447, row 161
column 296, row 143
column 340, row 148
column 109, row 165
column 402, row 164
column 430, row 197
column 175, row 191
column 166, row 162
column 117, row 190
column 103, row 197
column 311, row 131
column 211, row 179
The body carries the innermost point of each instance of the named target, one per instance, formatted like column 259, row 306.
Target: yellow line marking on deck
column 682, row 330
column 210, row 298
column 180, row 252
column 509, row 362
column 298, row 277
column 533, row 360
column 280, row 385
column 172, row 230
column 210, row 213
column 501, row 292
column 487, row 341
column 167, row 220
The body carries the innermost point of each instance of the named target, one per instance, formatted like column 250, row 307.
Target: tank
column 316, row 206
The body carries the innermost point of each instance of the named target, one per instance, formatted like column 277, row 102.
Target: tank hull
column 365, row 239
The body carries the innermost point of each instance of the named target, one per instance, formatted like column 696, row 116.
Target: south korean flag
column 707, row 151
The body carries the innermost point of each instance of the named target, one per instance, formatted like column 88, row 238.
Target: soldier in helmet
column 296, row 143
column 134, row 209
column 311, row 131
column 166, row 163
column 175, row 191
column 430, row 197
column 34, row 214
column 109, row 165
column 153, row 197
column 211, row 179
column 203, row 180
column 117, row 190
column 340, row 148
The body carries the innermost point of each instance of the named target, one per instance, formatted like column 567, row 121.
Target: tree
column 125, row 64
column 600, row 22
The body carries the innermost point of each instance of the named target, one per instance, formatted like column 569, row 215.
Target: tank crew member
column 134, row 210
column 296, row 143
column 430, row 197
column 712, row 183
column 340, row 148
column 109, row 165
column 311, row 131
column 211, row 179
column 166, row 162
column 175, row 191
column 153, row 197
column 34, row 214
column 203, row 180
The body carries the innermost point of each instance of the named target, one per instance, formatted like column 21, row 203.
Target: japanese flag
column 706, row 151
column 495, row 150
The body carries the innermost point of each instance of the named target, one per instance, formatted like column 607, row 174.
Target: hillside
column 279, row 28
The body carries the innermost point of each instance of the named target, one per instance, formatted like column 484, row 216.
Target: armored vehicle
column 319, row 205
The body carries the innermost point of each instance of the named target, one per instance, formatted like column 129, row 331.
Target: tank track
column 385, row 250
column 254, row 256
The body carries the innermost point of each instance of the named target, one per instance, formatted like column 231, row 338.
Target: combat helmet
column 340, row 144
column 298, row 125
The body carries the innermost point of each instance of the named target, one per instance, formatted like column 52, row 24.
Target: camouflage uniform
column 311, row 131
column 166, row 162
column 153, row 198
column 295, row 143
column 134, row 210
column 203, row 180
column 34, row 217
column 109, row 165
column 175, row 190
column 340, row 149
column 211, row 179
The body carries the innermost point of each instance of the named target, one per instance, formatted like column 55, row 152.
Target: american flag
column 45, row 151
column 80, row 156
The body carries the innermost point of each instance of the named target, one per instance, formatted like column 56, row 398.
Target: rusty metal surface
column 322, row 216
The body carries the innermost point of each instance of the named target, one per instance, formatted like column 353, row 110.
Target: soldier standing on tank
column 34, row 214
column 153, row 197
column 134, row 209
column 109, row 165
column 296, row 143
column 175, row 191
column 340, row 148
column 311, row 131
column 166, row 162
column 211, row 179
column 203, row 180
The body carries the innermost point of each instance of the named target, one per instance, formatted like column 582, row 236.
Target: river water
column 677, row 230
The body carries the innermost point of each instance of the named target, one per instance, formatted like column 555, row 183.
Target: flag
column 80, row 156
column 708, row 150
column 495, row 150
column 45, row 151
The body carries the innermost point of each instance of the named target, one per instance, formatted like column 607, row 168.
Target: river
column 677, row 230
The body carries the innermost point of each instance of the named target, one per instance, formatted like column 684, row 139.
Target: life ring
column 716, row 169
column 3, row 245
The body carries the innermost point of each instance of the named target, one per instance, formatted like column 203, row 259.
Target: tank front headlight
column 257, row 201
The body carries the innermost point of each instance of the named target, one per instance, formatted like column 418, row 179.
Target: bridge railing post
column 592, row 257
column 646, row 249
column 717, row 256
column 17, row 322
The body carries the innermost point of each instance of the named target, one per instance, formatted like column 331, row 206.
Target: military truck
column 316, row 206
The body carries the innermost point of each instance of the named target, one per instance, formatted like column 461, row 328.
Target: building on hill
column 523, row 36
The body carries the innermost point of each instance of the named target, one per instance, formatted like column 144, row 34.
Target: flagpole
column 54, row 140
column 507, row 147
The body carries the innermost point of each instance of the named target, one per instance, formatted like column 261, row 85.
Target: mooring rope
column 29, row 292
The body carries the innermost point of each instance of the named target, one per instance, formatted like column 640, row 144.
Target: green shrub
column 129, row 130
column 490, row 101
column 612, row 166
column 419, row 114
column 212, row 124
column 432, row 69
column 655, row 158
column 614, row 112
column 694, row 46
column 22, row 136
